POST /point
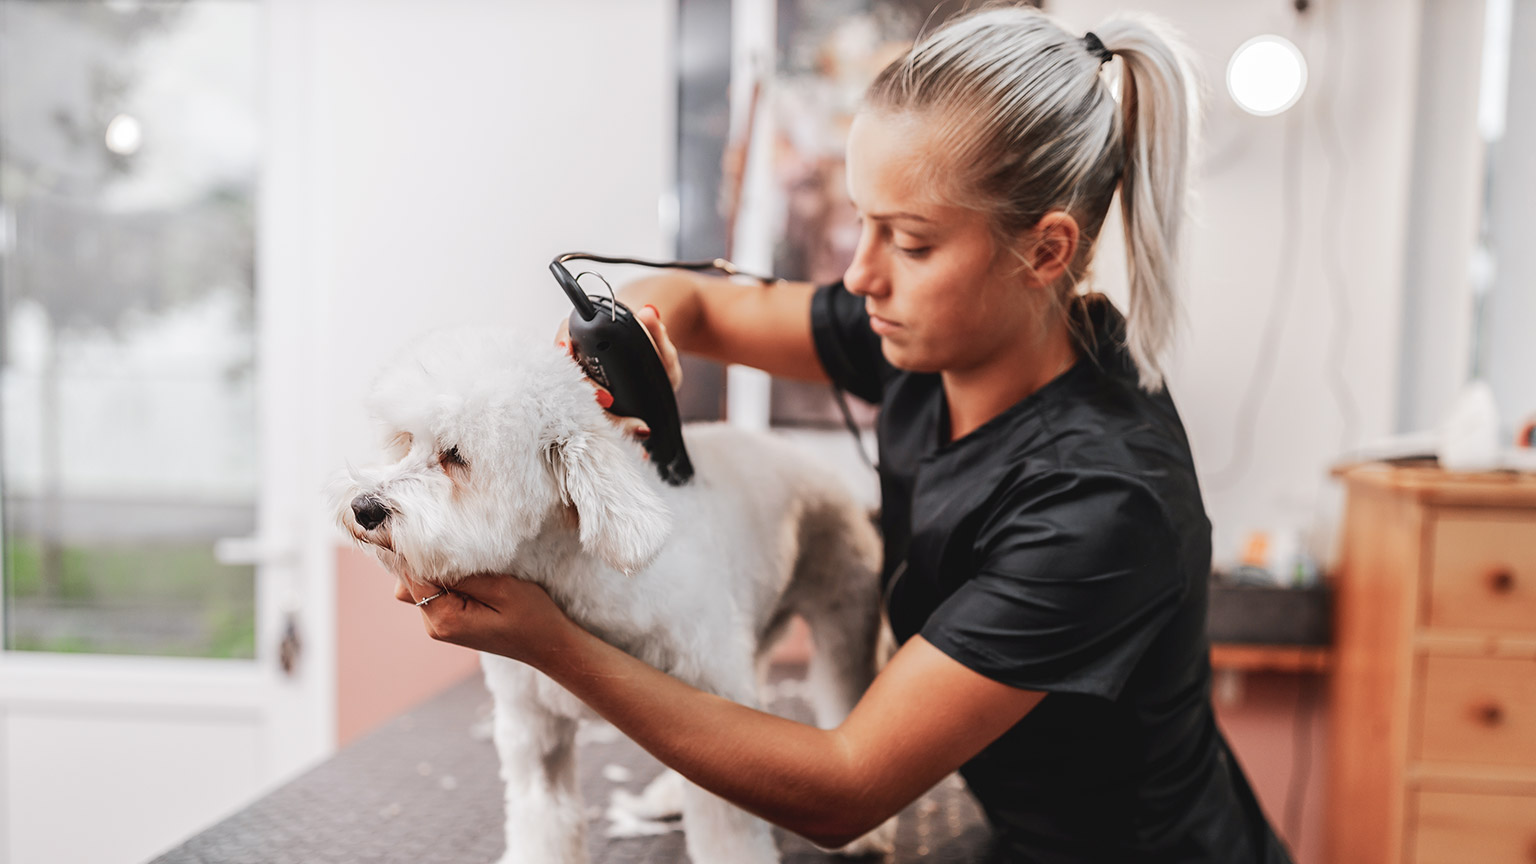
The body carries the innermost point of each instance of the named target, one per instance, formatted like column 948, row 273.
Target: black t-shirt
column 1062, row 547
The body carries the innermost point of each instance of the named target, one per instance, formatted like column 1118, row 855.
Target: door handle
column 253, row 550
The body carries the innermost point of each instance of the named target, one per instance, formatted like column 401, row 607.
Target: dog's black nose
column 370, row 512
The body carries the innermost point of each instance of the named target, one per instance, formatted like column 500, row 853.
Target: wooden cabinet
column 1461, row 828
column 1433, row 732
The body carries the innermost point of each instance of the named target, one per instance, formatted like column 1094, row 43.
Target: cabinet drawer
column 1483, row 570
column 1478, row 711
column 1458, row 827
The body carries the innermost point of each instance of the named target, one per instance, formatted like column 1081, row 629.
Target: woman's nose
column 865, row 274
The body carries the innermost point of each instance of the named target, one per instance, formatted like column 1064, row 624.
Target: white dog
column 504, row 463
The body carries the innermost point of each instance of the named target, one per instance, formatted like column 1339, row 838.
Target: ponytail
column 1159, row 103
column 1034, row 127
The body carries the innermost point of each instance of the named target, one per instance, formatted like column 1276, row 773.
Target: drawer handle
column 1490, row 714
column 1502, row 581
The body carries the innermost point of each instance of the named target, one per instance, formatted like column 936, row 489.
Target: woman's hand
column 650, row 319
column 495, row 613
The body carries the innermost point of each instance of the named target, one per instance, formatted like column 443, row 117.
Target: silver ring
column 425, row 600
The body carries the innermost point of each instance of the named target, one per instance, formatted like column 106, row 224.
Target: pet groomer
column 1046, row 547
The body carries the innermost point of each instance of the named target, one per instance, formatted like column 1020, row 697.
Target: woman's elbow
column 836, row 832
column 832, row 842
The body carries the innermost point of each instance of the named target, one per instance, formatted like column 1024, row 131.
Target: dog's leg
column 717, row 832
column 661, row 799
column 842, row 665
column 837, row 590
column 535, row 734
column 714, row 830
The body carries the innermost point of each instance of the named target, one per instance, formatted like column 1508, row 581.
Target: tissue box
column 1264, row 615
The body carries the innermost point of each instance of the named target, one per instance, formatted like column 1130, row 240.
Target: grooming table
column 423, row 789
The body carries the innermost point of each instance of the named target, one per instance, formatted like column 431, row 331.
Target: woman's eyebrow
column 900, row 214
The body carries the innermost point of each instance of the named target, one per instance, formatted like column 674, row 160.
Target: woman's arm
column 764, row 326
column 924, row 715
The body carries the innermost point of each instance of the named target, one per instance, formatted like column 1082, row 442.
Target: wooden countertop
column 1427, row 482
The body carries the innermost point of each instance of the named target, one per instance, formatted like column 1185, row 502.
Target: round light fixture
column 124, row 135
column 1266, row 75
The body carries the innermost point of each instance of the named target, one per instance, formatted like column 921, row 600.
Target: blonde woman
column 1046, row 547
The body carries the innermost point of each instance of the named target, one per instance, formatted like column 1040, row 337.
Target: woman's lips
column 882, row 326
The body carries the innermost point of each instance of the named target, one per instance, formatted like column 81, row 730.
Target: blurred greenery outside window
column 129, row 154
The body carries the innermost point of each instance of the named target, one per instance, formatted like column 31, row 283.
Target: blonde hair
column 1023, row 109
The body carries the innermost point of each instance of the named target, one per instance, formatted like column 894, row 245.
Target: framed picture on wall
column 789, row 124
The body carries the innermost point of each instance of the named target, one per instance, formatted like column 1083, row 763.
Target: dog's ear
column 623, row 521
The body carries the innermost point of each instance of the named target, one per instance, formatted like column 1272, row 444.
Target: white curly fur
column 697, row 580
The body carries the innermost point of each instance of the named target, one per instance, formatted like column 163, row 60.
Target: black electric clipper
column 616, row 352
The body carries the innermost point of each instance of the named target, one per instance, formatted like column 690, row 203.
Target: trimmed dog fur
column 502, row 462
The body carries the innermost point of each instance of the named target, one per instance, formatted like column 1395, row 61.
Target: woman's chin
column 905, row 358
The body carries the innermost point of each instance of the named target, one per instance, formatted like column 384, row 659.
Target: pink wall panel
column 385, row 661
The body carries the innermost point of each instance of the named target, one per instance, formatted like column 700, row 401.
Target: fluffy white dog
column 504, row 463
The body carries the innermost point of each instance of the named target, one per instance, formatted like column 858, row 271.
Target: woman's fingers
column 634, row 427
column 403, row 591
column 650, row 319
column 563, row 335
column 449, row 615
column 648, row 316
column 497, row 613
column 408, row 590
column 631, row 426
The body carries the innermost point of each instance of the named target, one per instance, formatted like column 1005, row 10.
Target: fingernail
column 605, row 399
column 564, row 345
column 654, row 311
column 643, row 432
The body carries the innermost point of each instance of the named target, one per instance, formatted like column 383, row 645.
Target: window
column 129, row 152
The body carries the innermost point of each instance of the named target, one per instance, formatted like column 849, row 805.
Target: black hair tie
column 1096, row 48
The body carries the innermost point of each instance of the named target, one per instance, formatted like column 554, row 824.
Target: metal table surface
column 423, row 789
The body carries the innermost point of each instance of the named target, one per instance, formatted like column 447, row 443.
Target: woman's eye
column 451, row 456
column 914, row 251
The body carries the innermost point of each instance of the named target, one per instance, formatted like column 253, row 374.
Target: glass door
column 148, row 637
column 129, row 156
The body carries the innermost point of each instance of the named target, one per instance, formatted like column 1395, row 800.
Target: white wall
column 1446, row 197
column 461, row 145
column 1511, row 319
column 1234, row 254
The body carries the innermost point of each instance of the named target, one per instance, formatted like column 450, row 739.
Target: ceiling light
column 124, row 135
column 1266, row 75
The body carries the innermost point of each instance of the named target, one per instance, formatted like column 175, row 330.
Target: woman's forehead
column 893, row 165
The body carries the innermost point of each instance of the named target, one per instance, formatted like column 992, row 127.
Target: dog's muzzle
column 370, row 512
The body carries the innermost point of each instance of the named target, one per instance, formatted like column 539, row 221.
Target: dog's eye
column 451, row 457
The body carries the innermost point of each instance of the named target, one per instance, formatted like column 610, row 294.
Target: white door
column 163, row 648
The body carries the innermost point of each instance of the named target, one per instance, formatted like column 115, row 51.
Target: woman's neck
column 976, row 395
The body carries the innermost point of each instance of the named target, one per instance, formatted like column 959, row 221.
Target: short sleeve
column 1079, row 573
column 849, row 351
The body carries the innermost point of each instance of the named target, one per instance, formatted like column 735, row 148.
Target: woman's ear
column 1054, row 246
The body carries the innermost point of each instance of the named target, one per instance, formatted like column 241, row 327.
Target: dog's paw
column 624, row 819
column 662, row 798
column 880, row 842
